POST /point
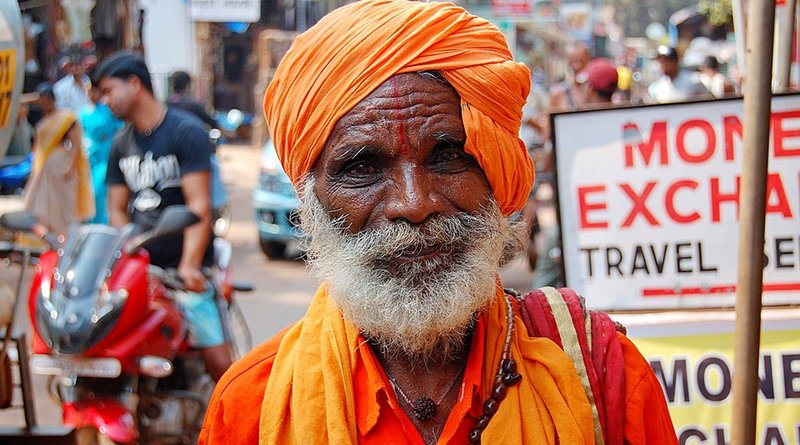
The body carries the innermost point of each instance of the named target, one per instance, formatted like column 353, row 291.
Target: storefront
column 55, row 27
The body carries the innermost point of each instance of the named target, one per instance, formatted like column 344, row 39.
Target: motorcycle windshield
column 80, row 310
column 89, row 254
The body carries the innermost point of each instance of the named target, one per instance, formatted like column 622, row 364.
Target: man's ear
column 135, row 82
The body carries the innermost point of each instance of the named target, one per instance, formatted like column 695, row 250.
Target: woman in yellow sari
column 59, row 193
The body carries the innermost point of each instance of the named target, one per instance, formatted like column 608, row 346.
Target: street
column 283, row 288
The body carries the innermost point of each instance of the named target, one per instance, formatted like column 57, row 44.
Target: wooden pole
column 783, row 51
column 738, row 31
column 757, row 104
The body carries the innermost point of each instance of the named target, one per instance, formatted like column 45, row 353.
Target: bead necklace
column 507, row 375
column 424, row 407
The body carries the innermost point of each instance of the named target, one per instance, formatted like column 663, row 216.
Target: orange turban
column 338, row 62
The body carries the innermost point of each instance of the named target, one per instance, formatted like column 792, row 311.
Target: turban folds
column 350, row 52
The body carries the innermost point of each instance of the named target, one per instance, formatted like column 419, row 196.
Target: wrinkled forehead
column 400, row 102
column 407, row 92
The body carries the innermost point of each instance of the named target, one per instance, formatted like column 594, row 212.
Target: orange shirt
column 235, row 409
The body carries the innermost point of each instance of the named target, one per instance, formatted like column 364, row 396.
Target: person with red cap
column 601, row 82
column 398, row 123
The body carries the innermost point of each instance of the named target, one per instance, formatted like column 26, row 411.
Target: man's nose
column 413, row 196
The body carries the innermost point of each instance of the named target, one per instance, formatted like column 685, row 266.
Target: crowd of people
column 77, row 94
column 592, row 83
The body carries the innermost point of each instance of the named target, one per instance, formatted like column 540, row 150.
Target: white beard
column 423, row 308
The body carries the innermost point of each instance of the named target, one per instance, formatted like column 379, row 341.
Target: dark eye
column 359, row 169
column 358, row 173
column 450, row 158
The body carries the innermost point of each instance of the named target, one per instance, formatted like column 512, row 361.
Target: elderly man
column 398, row 122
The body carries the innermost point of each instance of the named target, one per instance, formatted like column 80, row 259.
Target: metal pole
column 757, row 103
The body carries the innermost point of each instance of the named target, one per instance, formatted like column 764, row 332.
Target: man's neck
column 434, row 376
column 147, row 114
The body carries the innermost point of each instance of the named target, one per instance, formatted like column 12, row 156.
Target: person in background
column 676, row 84
column 72, row 90
column 59, row 193
column 162, row 158
column 180, row 98
column 713, row 80
column 601, row 82
column 569, row 94
column 22, row 138
column 99, row 127
column 398, row 122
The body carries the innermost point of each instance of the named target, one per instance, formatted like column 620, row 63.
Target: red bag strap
column 589, row 338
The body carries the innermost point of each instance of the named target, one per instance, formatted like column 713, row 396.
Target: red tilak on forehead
column 401, row 137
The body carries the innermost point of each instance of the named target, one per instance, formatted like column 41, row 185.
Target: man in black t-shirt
column 161, row 158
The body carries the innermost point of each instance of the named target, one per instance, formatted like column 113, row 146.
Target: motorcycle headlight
column 70, row 325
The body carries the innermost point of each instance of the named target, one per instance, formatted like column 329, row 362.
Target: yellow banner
column 696, row 373
column 7, row 67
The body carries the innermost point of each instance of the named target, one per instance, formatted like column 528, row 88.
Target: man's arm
column 196, row 188
column 647, row 418
column 74, row 136
column 199, row 110
column 118, row 195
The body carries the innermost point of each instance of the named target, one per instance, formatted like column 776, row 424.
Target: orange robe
column 560, row 410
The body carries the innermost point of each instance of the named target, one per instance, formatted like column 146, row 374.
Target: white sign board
column 649, row 200
column 225, row 10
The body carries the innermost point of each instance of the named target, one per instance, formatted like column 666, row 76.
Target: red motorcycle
column 108, row 330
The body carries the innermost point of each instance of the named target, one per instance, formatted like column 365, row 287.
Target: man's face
column 401, row 221
column 118, row 94
column 77, row 69
column 398, row 155
column 577, row 58
column 47, row 104
column 668, row 66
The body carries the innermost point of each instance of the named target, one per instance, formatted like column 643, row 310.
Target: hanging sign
column 225, row 10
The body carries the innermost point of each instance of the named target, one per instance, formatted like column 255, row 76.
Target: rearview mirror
column 21, row 220
column 174, row 219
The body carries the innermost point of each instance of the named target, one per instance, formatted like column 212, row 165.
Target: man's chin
column 427, row 345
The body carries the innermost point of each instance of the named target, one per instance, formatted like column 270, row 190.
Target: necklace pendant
column 424, row 409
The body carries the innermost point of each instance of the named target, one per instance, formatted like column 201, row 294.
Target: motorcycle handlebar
column 169, row 277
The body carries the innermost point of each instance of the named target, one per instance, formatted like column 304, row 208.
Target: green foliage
column 718, row 11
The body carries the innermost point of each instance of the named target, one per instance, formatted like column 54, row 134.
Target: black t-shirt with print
column 152, row 166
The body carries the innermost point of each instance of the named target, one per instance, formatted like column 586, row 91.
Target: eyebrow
column 443, row 136
column 348, row 153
